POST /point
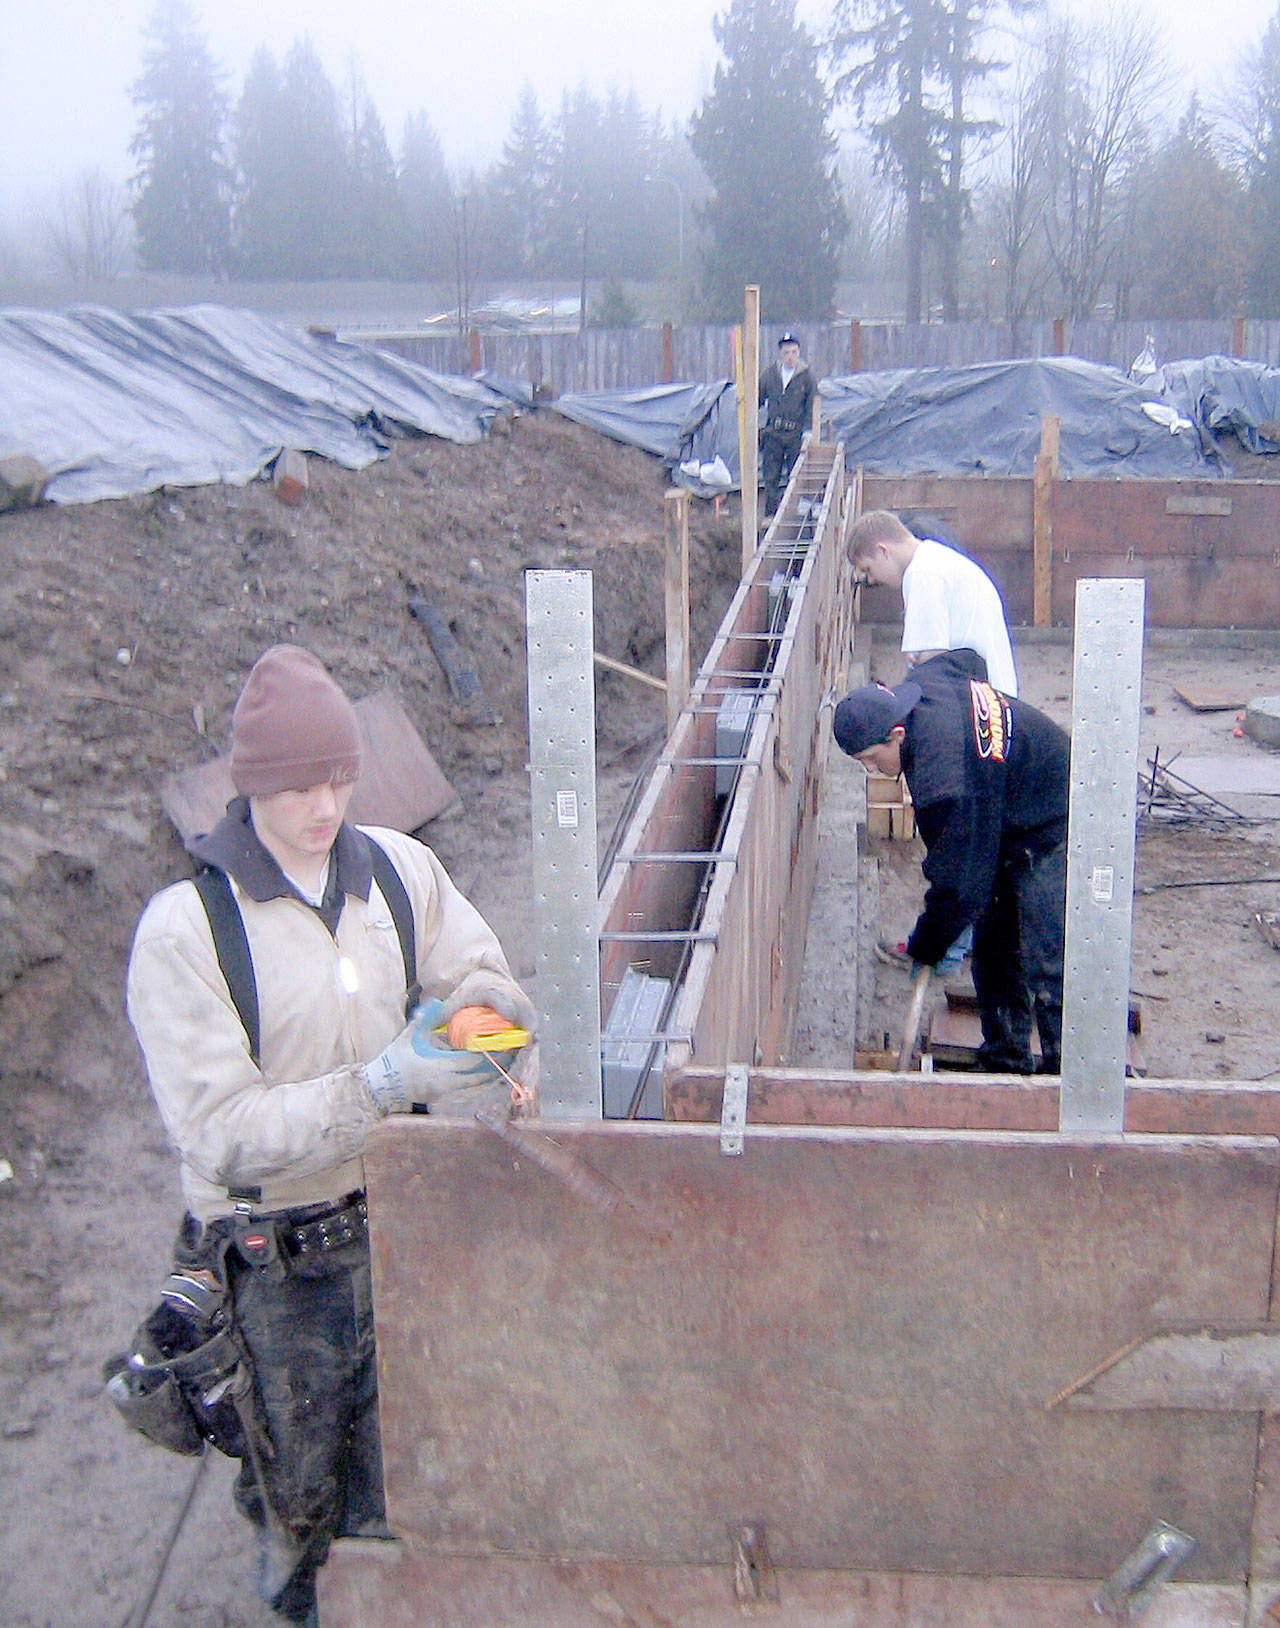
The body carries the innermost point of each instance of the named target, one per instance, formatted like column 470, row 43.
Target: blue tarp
column 111, row 402
column 679, row 423
column 1225, row 395
column 985, row 420
column 981, row 420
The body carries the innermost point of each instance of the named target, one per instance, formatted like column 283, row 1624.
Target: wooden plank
column 367, row 1584
column 626, row 671
column 847, row 1336
column 676, row 598
column 749, row 396
column 951, row 1101
column 1044, row 480
column 401, row 785
column 1212, row 697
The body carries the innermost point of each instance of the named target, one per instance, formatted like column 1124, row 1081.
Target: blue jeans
column 310, row 1334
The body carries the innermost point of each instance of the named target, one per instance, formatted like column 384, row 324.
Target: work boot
column 1003, row 1058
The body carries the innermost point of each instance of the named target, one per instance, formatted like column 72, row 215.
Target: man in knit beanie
column 359, row 949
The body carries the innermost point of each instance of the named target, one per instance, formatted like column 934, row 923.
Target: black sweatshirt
column 989, row 778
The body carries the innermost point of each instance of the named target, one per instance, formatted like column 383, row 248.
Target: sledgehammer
column 915, row 1015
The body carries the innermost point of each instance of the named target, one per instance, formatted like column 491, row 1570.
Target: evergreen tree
column 775, row 217
column 375, row 238
column 891, row 54
column 520, row 189
column 181, row 208
column 1261, row 171
column 965, row 24
column 262, row 163
column 427, row 201
column 295, row 216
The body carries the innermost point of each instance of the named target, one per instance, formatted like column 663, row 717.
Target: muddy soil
column 125, row 631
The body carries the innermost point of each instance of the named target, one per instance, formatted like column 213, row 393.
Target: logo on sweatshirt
column 992, row 721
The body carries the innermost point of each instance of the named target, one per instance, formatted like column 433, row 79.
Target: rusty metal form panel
column 715, row 867
column 1207, row 549
column 1202, row 569
column 384, row 1585
column 617, row 1342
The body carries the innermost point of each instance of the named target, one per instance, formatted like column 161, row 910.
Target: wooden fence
column 630, row 358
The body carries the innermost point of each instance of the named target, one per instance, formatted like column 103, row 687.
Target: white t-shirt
column 950, row 603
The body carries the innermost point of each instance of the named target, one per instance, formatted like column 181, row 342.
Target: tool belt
column 184, row 1379
column 784, row 426
column 297, row 1235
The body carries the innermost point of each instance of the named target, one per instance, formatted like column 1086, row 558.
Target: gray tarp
column 1225, row 394
column 679, row 423
column 653, row 418
column 985, row 420
column 110, row 402
column 942, row 421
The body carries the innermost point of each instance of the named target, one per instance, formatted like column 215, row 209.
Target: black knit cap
column 867, row 714
column 293, row 728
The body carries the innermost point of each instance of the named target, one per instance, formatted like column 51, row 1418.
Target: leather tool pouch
column 175, row 1382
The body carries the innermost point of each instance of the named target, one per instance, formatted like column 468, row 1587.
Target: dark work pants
column 310, row 1335
column 777, row 455
column 1017, row 962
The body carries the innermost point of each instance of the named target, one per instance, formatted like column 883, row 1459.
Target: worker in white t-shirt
column 949, row 602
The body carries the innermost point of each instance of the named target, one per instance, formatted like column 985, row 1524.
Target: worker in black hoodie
column 989, row 777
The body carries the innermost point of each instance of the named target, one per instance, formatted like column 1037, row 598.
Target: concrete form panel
column 400, row 1585
column 624, row 1344
column 973, row 1102
column 1203, row 567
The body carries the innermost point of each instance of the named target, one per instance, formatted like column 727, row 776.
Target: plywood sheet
column 401, row 785
column 1212, row 697
column 636, row 1345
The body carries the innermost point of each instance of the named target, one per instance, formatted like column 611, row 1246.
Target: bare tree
column 90, row 231
column 1012, row 203
column 1095, row 85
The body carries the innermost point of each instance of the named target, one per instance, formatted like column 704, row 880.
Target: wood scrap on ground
column 1212, row 697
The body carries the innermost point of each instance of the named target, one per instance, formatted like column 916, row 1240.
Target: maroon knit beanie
column 293, row 728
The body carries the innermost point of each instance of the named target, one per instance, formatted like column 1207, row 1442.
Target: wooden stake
column 676, row 528
column 749, row 396
column 1042, row 484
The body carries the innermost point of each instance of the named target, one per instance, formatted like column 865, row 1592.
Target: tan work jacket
column 294, row 1126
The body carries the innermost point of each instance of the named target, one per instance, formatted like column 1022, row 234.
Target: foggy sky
column 65, row 105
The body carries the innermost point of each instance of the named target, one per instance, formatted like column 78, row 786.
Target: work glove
column 491, row 989
column 419, row 1066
